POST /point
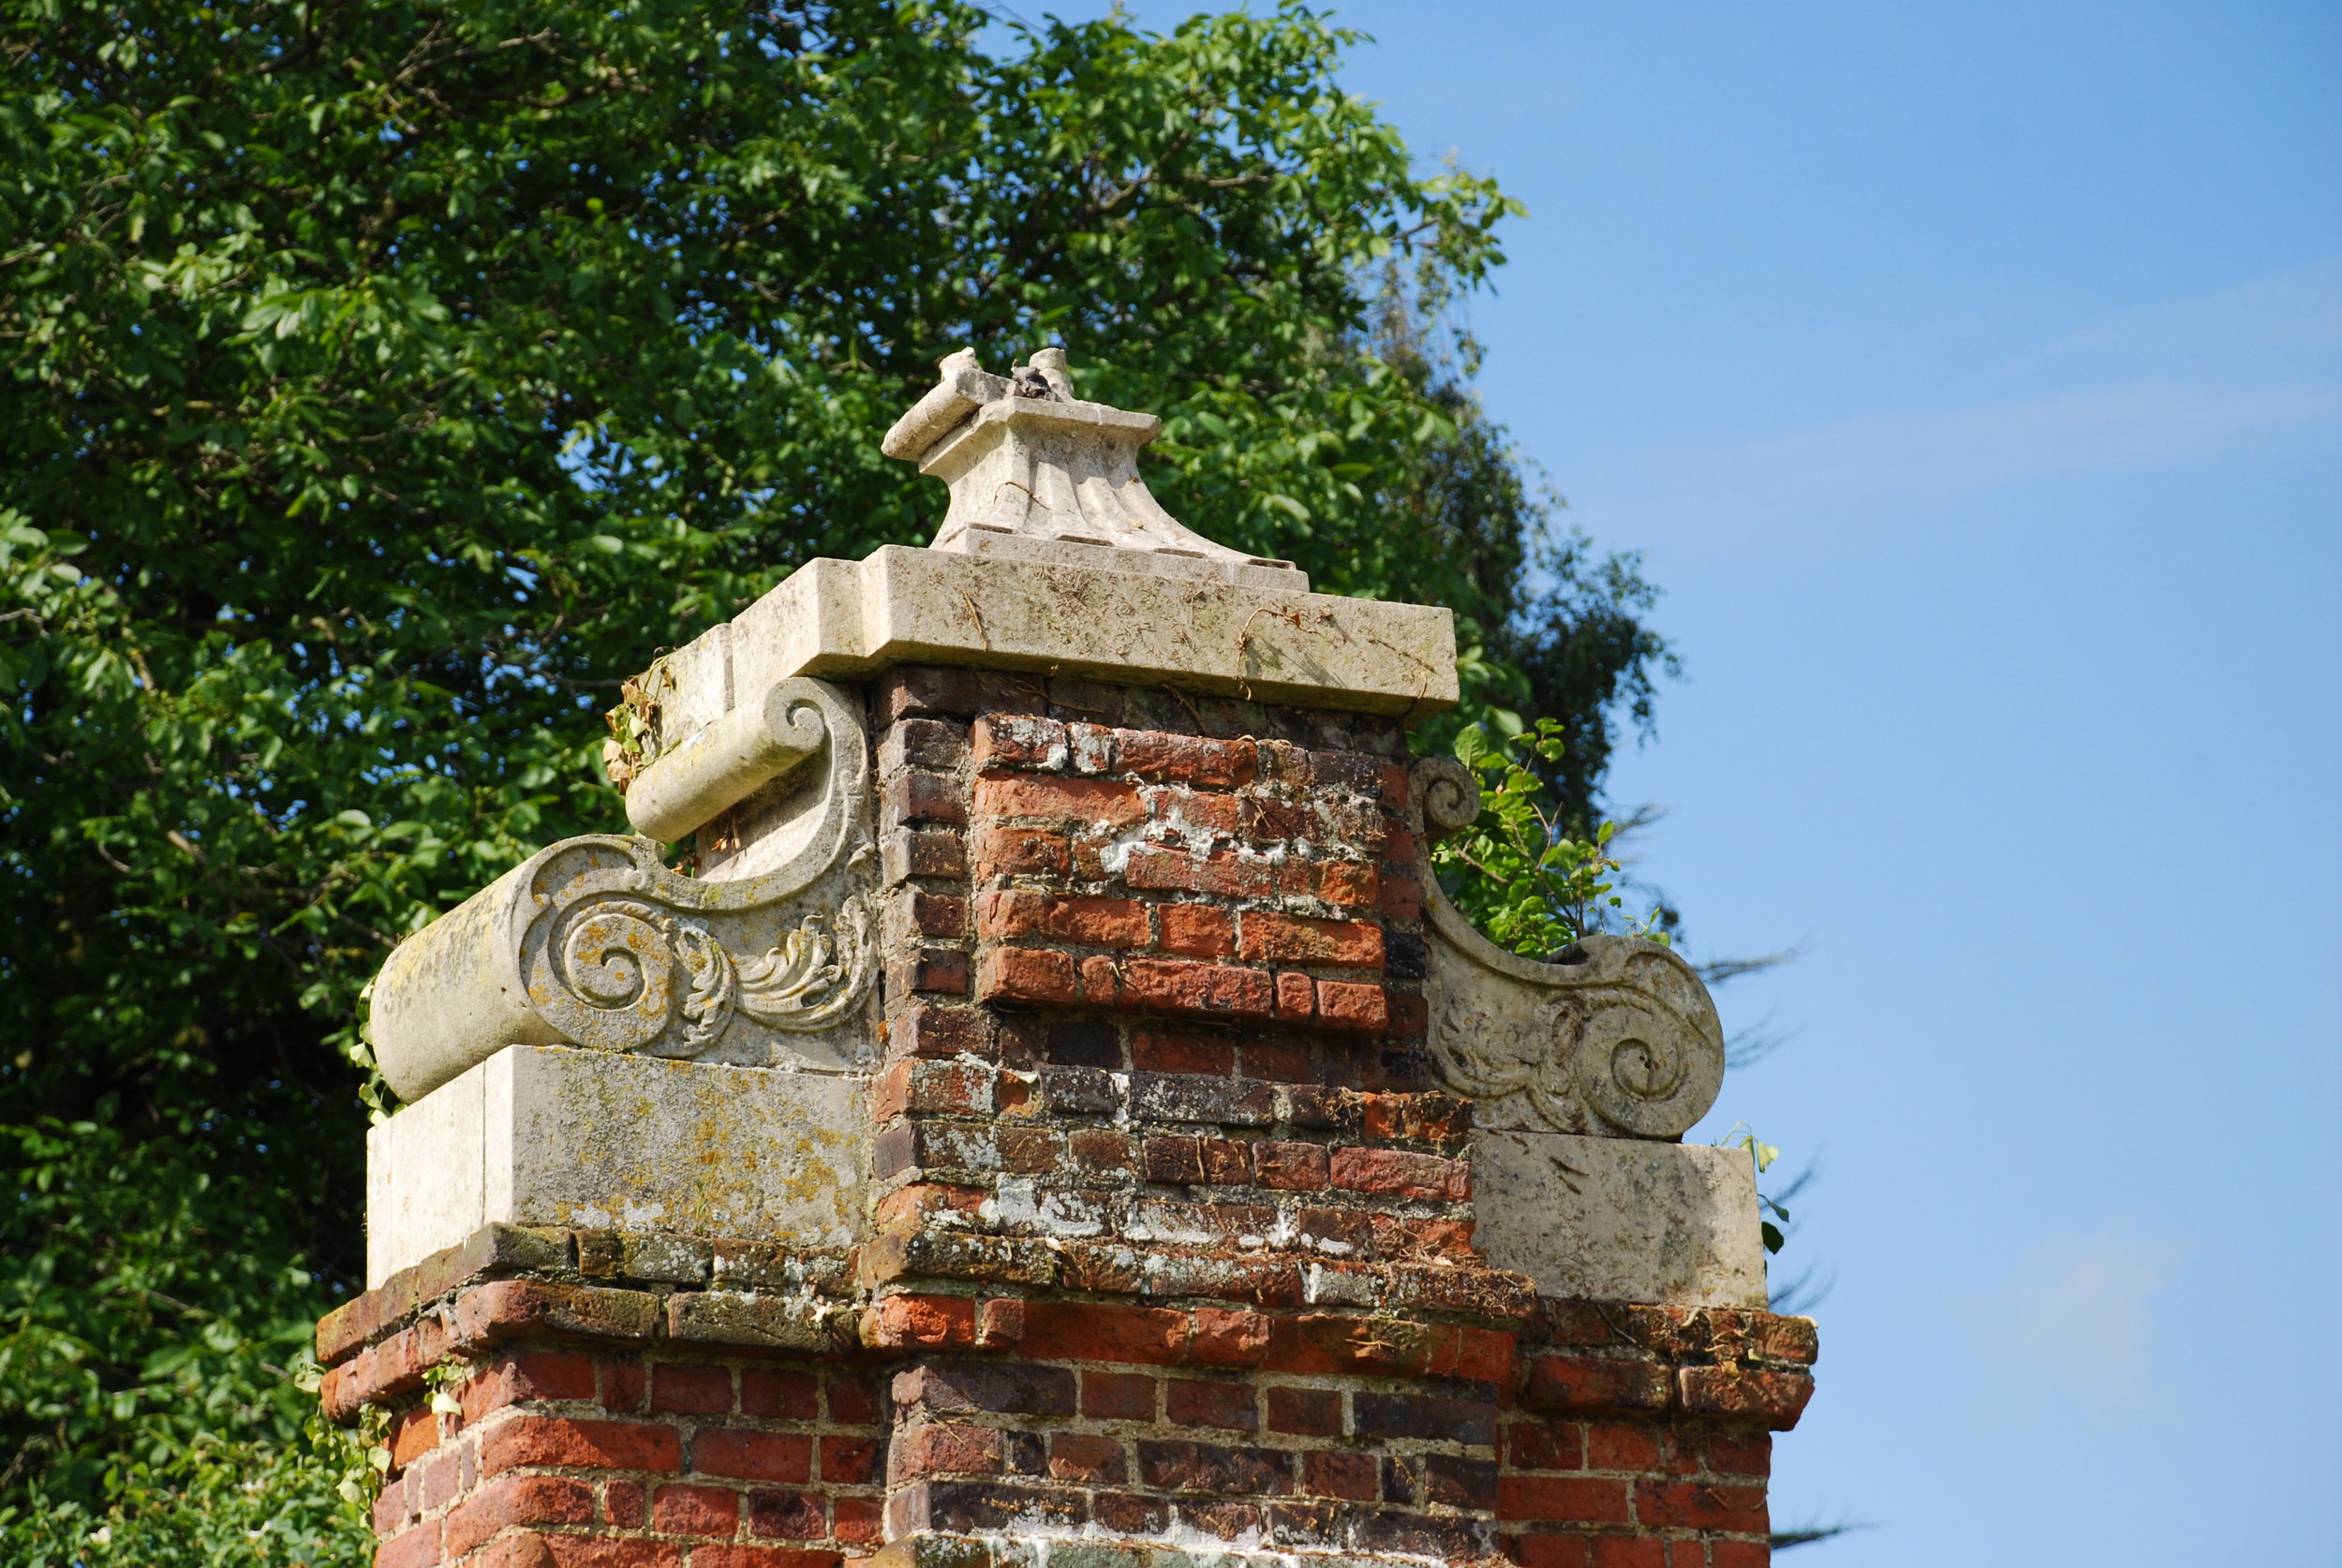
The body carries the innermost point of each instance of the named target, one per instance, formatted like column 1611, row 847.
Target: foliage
column 1764, row 1154
column 389, row 378
column 1517, row 872
column 1552, row 629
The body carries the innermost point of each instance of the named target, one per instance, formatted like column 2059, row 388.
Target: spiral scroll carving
column 1445, row 794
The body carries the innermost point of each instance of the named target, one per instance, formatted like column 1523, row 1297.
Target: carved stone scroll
column 1623, row 1041
column 594, row 943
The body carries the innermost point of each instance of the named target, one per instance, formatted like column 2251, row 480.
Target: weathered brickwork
column 1155, row 1010
column 1170, row 1245
column 603, row 1420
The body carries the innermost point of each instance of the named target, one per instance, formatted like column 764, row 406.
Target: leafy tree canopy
column 387, row 378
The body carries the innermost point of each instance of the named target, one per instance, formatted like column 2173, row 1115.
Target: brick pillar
column 1171, row 1227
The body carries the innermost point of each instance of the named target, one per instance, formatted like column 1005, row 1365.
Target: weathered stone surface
column 543, row 1135
column 595, row 942
column 1038, row 473
column 1619, row 1219
column 1622, row 1040
column 1101, row 613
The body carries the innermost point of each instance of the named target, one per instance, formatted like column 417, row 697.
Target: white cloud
column 2251, row 370
column 2135, row 425
column 2075, row 1319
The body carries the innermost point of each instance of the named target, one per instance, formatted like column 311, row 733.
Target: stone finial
column 1036, row 472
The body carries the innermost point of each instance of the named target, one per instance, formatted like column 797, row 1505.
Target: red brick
column 1106, row 1331
column 1118, row 1396
column 1781, row 1339
column 922, row 797
column 936, row 970
column 1227, row 1163
column 1094, row 801
column 516, row 1500
column 849, row 1461
column 531, row 1375
column 1297, row 996
column 1541, row 1550
column 1101, row 982
column 1299, row 939
column 790, row 1395
column 624, row 1383
column 1617, row 1446
column 1391, row 788
column 695, row 1509
column 999, row 1323
column 1009, row 912
column 418, row 1547
column 898, row 1322
column 415, row 1433
column 782, row 1516
column 753, row 1456
column 1543, row 1445
column 1284, row 1061
column 1290, row 1167
column 1196, row 816
column 1739, row 1554
column 1305, row 1412
column 1774, row 1398
column 1018, row 851
column 532, row 1440
column 1167, row 759
column 856, row 1398
column 934, row 914
column 1354, row 1478
column 1155, row 1048
column 906, row 852
column 1224, row 1337
column 1348, row 1005
column 1567, row 1499
column 858, row 1520
column 1410, row 1014
column 1735, row 1453
column 691, row 1390
column 1593, row 1383
column 1178, row 1160
column 1026, row 975
column 1399, row 898
column 1203, row 1467
column 1349, row 883
column 1702, row 1505
column 1396, row 1172
column 1082, row 1456
column 1177, row 986
column 1197, row 931
column 1190, row 1402
column 1224, row 872
column 943, row 1448
column 1633, row 1551
column 736, row 1556
column 625, row 1504
column 925, row 1030
column 1100, row 1152
column 1019, row 741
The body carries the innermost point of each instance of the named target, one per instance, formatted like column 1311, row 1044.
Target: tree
column 389, row 378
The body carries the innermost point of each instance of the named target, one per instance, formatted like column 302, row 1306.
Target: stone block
column 551, row 1135
column 1619, row 1219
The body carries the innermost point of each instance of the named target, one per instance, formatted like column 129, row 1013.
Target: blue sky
column 1972, row 377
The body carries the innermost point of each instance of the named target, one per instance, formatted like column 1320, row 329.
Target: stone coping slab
column 844, row 619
